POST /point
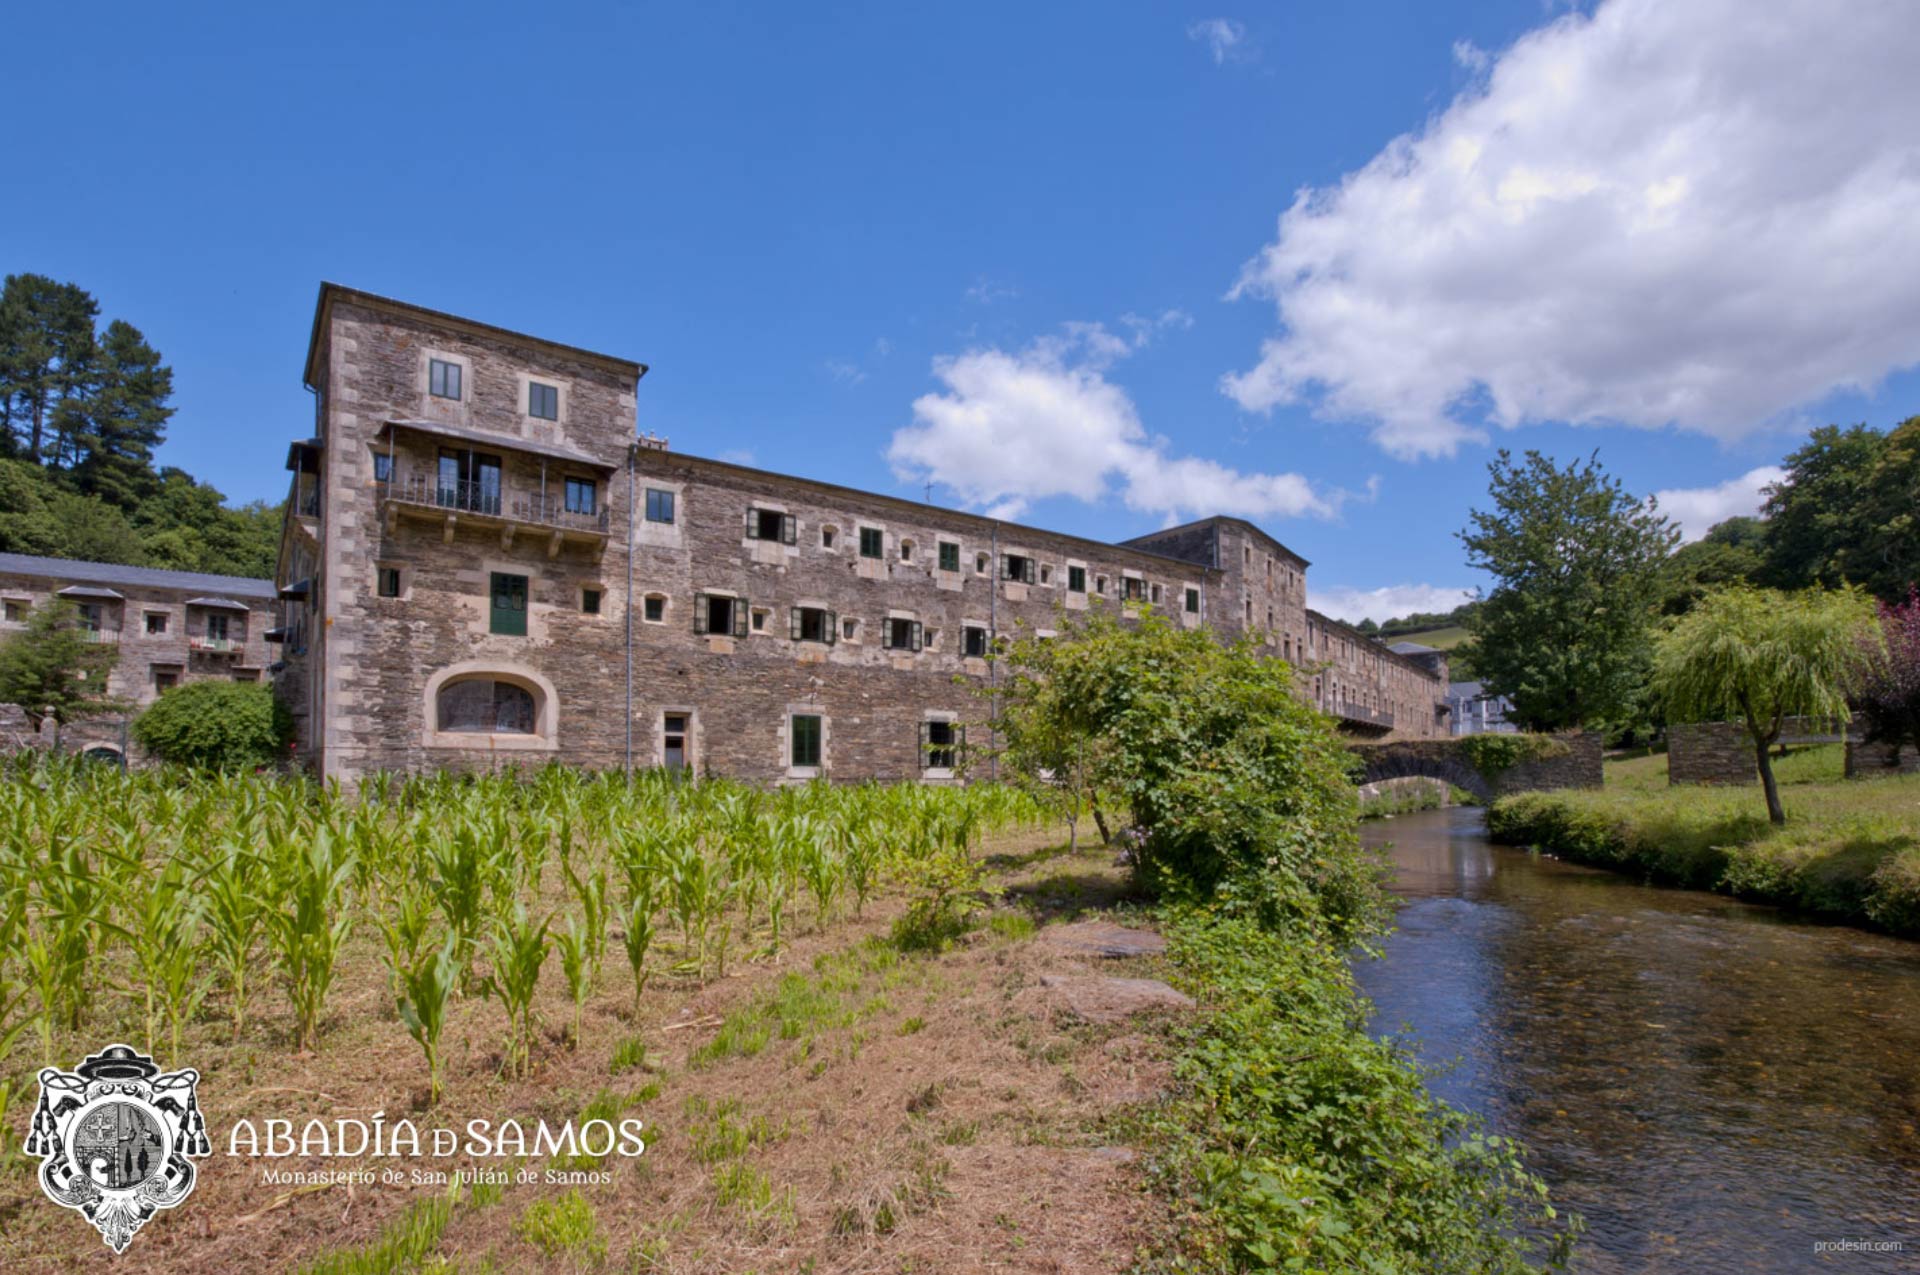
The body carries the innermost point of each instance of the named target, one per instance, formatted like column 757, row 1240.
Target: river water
column 1712, row 1086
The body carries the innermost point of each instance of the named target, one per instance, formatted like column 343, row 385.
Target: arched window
column 485, row 705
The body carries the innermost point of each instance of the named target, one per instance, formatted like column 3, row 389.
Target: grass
column 1439, row 639
column 1850, row 849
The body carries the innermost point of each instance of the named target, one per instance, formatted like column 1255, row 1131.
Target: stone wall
column 1872, row 761
column 1722, row 752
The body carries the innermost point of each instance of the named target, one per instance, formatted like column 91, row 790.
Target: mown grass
column 1850, row 849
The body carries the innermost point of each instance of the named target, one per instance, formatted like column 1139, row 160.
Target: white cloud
column 844, row 372
column 1224, row 38
column 1013, row 427
column 1385, row 603
column 737, row 456
column 1689, row 212
column 985, row 291
column 1697, row 509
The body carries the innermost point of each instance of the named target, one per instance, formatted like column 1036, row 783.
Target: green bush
column 1493, row 755
column 228, row 726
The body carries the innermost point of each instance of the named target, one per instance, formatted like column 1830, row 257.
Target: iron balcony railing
column 219, row 646
column 110, row 637
column 487, row 500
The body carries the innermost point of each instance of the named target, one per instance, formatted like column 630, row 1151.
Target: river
column 1712, row 1086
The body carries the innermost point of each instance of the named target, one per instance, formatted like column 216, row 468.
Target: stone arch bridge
column 1570, row 760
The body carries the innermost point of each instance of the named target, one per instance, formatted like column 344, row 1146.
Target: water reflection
column 1713, row 1087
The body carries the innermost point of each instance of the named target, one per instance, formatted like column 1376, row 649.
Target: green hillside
column 1439, row 639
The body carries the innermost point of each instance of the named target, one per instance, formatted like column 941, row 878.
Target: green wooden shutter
column 740, row 617
column 833, row 627
column 700, row 613
column 789, row 529
column 508, row 614
column 793, row 623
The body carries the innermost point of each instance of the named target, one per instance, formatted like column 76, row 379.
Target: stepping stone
column 1103, row 939
column 1112, row 1000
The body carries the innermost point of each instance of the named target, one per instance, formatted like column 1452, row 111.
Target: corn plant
column 310, row 926
column 404, row 924
column 162, row 930
column 236, row 916
column 516, row 950
column 425, row 988
column 589, row 889
column 576, row 964
column 637, row 938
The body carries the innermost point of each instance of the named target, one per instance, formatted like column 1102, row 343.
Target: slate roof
column 72, row 570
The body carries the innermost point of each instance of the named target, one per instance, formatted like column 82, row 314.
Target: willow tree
column 1758, row 657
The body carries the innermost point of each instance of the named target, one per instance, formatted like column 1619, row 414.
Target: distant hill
column 1444, row 639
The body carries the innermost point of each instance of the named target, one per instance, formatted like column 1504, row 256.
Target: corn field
column 156, row 906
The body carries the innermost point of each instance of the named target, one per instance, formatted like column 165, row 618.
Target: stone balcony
column 1362, row 718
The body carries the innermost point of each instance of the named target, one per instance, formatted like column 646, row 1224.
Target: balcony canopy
column 501, row 442
column 94, row 593
column 218, row 604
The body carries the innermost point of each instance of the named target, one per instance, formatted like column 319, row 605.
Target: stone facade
column 169, row 628
column 1871, row 761
column 481, row 567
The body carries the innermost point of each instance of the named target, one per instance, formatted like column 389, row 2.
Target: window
column 804, row 740
column 1076, row 579
column 758, row 617
column 156, row 623
column 949, row 556
column 906, row 551
column 720, row 615
column 813, row 624
column 1014, row 567
column 771, row 524
column 484, row 706
column 1193, row 604
column 508, row 610
column 582, row 495
column 850, row 630
column 217, row 628
column 90, row 616
column 973, row 642
column 590, row 601
column 940, row 744
column 827, row 536
column 443, row 378
column 659, row 505
column 1046, row 575
column 872, row 542
column 673, row 741
column 383, row 467
column 16, row 612
column 469, row 480
column 1100, row 585
column 1133, row 589
column 1156, row 595
column 543, row 401
column 165, row 680
column 387, row 581
column 980, row 563
column 654, row 609
column 902, row 635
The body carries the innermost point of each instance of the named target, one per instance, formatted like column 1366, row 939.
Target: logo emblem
column 114, row 1137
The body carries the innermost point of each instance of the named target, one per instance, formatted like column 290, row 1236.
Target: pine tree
column 123, row 418
column 47, row 351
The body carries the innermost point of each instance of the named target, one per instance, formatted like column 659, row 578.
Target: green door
column 509, row 604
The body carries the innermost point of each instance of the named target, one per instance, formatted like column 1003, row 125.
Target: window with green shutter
column 508, row 614
column 1077, row 579
column 872, row 542
column 949, row 556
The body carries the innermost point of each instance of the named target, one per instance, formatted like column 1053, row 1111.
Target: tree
column 1732, row 552
column 1565, row 633
column 1888, row 693
column 46, row 355
column 54, row 670
column 225, row 726
column 1816, row 520
column 1758, row 657
column 121, row 419
column 1888, row 563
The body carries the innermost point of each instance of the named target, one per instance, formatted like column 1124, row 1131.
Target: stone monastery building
column 483, row 566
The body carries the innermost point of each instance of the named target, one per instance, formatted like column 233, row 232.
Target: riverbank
column 1850, row 850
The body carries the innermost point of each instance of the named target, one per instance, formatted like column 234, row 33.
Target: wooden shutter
column 833, row 627
column 913, row 635
column 789, row 529
column 507, row 613
column 700, row 613
column 926, row 745
column 740, row 610
column 753, row 523
column 793, row 623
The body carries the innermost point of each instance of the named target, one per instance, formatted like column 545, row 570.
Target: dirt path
column 846, row 1109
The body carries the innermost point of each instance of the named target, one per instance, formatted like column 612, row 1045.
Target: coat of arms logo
column 114, row 1136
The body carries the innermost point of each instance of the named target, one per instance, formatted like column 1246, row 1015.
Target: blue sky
column 1034, row 254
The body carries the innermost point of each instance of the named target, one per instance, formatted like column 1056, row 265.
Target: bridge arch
column 1388, row 762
